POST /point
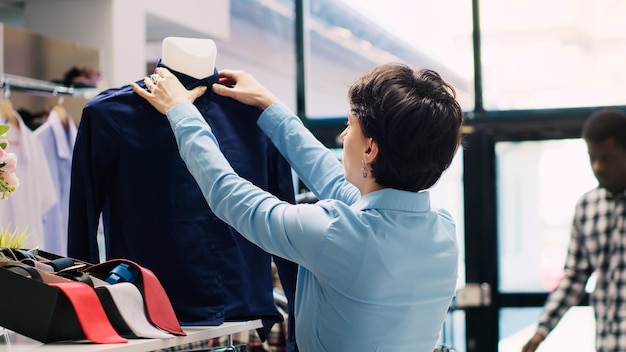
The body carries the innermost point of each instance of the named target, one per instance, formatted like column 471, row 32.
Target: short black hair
column 414, row 118
column 604, row 124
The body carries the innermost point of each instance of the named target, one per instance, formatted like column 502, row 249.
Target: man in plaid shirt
column 597, row 243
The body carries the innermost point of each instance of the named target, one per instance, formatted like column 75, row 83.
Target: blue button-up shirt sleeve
column 318, row 167
column 256, row 214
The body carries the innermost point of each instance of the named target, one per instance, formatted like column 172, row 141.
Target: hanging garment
column 58, row 144
column 126, row 165
column 24, row 209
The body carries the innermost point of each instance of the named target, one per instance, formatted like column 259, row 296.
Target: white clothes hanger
column 194, row 57
column 60, row 110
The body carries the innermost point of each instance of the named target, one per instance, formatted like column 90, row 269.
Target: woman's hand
column 242, row 86
column 533, row 343
column 167, row 91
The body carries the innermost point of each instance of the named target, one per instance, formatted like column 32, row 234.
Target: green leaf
column 3, row 145
column 3, row 129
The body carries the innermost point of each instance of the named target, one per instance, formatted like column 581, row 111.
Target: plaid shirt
column 596, row 246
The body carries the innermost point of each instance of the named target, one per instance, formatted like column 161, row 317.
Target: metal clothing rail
column 10, row 82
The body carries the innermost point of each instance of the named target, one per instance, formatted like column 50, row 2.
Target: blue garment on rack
column 58, row 143
column 126, row 166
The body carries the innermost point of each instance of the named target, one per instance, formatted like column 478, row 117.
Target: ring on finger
column 155, row 78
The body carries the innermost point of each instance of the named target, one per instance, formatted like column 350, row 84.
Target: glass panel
column 538, row 184
column 561, row 53
column 448, row 194
column 575, row 331
column 453, row 333
column 350, row 36
column 262, row 43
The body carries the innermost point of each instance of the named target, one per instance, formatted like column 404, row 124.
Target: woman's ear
column 371, row 151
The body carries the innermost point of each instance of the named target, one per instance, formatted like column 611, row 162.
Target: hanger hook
column 6, row 93
column 55, row 93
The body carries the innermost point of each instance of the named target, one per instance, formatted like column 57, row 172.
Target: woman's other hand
column 533, row 343
column 165, row 90
column 242, row 86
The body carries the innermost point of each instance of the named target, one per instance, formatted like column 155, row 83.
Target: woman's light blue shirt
column 377, row 272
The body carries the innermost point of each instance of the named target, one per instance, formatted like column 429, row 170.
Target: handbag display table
column 18, row 343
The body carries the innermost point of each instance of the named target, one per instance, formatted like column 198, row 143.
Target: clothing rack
column 13, row 82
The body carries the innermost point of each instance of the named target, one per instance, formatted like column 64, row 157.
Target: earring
column 363, row 170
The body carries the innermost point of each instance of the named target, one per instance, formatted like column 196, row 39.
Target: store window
column 447, row 193
column 350, row 36
column 262, row 42
column 554, row 54
column 538, row 184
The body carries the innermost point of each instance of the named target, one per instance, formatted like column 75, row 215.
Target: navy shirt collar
column 192, row 82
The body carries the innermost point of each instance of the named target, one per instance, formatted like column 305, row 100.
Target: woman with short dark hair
column 414, row 119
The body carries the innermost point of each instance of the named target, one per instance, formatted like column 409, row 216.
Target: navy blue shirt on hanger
column 126, row 166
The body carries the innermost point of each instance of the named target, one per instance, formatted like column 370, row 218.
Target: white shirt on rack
column 25, row 207
column 58, row 145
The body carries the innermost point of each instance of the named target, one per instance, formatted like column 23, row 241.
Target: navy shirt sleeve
column 91, row 175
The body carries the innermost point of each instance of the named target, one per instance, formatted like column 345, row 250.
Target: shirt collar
column 64, row 138
column 613, row 196
column 192, row 82
column 393, row 199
